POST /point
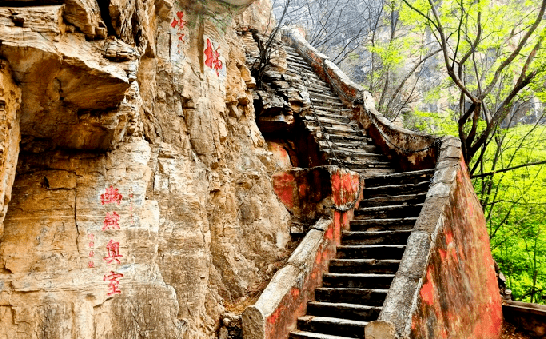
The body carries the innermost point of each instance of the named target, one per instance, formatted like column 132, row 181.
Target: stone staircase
column 340, row 139
column 359, row 278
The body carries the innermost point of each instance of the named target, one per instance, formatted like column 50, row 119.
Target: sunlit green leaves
column 515, row 208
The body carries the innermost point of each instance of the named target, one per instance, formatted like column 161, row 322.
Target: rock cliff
column 137, row 200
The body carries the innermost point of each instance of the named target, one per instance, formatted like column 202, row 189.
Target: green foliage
column 515, row 208
column 437, row 124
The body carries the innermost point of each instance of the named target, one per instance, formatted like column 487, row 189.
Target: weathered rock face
column 142, row 206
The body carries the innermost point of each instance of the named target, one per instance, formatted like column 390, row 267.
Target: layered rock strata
column 142, row 205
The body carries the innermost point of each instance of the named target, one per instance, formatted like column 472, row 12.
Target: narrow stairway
column 359, row 278
column 340, row 139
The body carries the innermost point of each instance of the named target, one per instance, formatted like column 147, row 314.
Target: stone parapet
column 446, row 285
column 285, row 298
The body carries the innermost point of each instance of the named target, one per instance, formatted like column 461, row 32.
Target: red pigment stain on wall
column 427, row 291
column 449, row 238
column 460, row 298
column 443, row 254
column 344, row 187
column 285, row 186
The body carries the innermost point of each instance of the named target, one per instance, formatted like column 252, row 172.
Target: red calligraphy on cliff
column 111, row 196
column 179, row 26
column 113, row 283
column 213, row 61
column 111, row 221
column 113, row 252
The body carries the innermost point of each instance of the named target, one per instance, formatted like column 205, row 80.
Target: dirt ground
column 509, row 331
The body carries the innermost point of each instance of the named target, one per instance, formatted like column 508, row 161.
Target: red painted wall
column 460, row 297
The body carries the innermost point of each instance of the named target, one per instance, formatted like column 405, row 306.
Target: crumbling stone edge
column 274, row 311
column 411, row 150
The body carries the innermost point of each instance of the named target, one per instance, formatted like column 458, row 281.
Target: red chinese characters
column 111, row 196
column 91, row 237
column 111, row 221
column 213, row 61
column 113, row 282
column 113, row 252
column 179, row 26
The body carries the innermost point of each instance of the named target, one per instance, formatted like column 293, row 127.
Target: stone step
column 330, row 118
column 309, row 78
column 332, row 326
column 404, row 199
column 356, row 155
column 340, row 130
column 359, row 296
column 334, row 123
column 361, row 163
column 297, row 334
column 337, row 110
column 320, row 89
column 297, row 65
column 398, row 237
column 346, row 138
column 291, row 51
column 325, row 97
column 402, row 178
column 370, row 252
column 355, row 147
column 363, row 265
column 319, row 102
column 383, row 224
column 372, row 172
column 388, row 212
column 343, row 310
column 343, row 113
column 357, row 280
column 397, row 189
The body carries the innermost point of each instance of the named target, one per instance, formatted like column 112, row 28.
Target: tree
column 492, row 53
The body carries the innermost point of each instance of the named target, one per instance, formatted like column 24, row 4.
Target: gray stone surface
column 415, row 256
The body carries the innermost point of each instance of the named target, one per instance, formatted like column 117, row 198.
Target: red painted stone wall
column 275, row 314
column 294, row 304
column 460, row 297
column 307, row 193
